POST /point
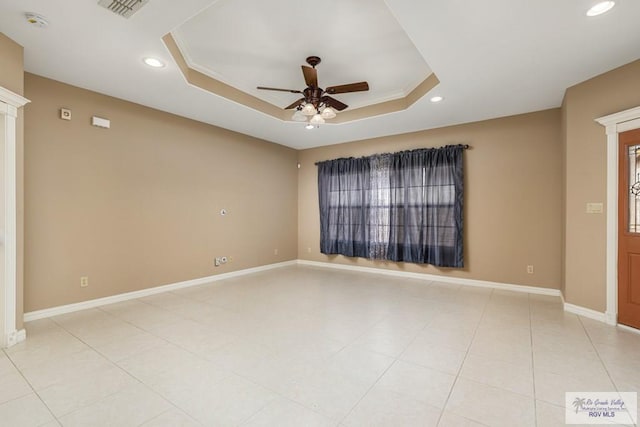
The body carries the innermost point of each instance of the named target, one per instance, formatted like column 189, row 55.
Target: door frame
column 614, row 125
column 10, row 102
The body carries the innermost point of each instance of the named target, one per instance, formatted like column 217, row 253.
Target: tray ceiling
column 492, row 59
column 249, row 43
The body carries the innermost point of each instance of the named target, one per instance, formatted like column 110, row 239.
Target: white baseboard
column 21, row 335
column 588, row 313
column 13, row 338
column 612, row 318
column 629, row 329
column 585, row 312
column 570, row 308
column 433, row 277
column 69, row 308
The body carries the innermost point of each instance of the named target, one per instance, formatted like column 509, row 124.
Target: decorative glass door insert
column 634, row 189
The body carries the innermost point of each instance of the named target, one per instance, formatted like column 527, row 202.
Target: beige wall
column 137, row 205
column 513, row 197
column 12, row 78
column 585, row 168
column 11, row 65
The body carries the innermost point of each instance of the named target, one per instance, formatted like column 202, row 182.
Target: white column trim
column 9, row 104
column 614, row 124
column 11, row 98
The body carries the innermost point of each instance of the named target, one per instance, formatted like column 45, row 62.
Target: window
column 404, row 206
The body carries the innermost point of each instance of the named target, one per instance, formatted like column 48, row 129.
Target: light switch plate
column 594, row 208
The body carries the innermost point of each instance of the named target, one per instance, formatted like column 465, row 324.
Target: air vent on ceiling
column 124, row 8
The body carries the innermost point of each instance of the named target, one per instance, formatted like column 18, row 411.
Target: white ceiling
column 493, row 58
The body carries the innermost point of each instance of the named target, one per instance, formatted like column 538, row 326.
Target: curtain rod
column 463, row 146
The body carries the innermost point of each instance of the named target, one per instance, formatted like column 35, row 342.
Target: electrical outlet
column 84, row 281
column 529, row 269
column 217, row 262
column 275, row 252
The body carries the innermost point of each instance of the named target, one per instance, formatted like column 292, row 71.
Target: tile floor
column 303, row 346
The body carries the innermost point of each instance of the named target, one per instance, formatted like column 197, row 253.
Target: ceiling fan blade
column 333, row 103
column 280, row 90
column 295, row 104
column 352, row 87
column 310, row 76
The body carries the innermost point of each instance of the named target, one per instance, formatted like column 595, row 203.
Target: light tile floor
column 302, row 346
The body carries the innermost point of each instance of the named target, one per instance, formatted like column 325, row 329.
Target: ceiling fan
column 316, row 102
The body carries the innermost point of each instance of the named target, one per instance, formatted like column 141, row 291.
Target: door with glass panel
column 629, row 229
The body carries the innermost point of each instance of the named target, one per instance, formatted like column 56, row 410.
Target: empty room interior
column 341, row 213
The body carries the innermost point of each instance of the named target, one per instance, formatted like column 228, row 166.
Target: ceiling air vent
column 124, row 8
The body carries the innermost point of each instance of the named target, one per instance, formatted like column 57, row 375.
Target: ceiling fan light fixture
column 316, row 120
column 328, row 113
column 309, row 110
column 600, row 8
column 298, row 117
column 315, row 103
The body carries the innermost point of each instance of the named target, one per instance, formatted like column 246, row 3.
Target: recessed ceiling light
column 600, row 8
column 153, row 62
column 436, row 99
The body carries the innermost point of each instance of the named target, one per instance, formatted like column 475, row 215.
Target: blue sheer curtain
column 344, row 206
column 404, row 206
